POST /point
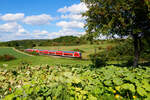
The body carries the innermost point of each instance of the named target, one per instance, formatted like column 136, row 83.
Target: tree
column 119, row 17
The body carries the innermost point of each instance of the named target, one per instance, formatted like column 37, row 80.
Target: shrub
column 79, row 50
column 102, row 42
column 123, row 49
column 109, row 48
column 98, row 60
column 33, row 53
column 146, row 54
column 120, row 51
column 6, row 57
column 129, row 61
column 100, row 48
column 97, row 42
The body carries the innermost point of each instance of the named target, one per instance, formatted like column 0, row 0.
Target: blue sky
column 40, row 19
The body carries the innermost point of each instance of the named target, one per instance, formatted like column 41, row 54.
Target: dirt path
column 22, row 52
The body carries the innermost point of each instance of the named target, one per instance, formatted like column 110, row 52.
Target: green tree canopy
column 119, row 17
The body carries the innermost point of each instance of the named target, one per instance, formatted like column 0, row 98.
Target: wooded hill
column 65, row 41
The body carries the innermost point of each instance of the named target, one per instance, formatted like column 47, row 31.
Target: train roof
column 68, row 51
column 55, row 50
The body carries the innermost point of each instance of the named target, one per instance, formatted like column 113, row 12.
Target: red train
column 57, row 53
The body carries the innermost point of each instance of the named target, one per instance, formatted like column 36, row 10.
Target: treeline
column 61, row 41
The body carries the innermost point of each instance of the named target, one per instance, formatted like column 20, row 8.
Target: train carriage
column 29, row 50
column 45, row 52
column 37, row 51
column 52, row 52
column 57, row 53
column 68, row 53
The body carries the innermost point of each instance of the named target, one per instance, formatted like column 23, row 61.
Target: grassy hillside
column 42, row 60
column 11, row 51
column 87, row 48
column 23, row 59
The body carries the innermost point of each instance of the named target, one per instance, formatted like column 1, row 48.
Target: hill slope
column 11, row 51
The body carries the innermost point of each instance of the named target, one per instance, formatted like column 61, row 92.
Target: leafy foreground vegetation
column 66, row 82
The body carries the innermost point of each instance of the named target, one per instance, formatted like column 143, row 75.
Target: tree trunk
column 136, row 51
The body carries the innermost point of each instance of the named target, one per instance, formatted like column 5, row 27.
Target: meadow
column 11, row 51
column 22, row 58
column 87, row 48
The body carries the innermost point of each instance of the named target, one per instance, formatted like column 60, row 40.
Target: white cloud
column 12, row 17
column 72, row 16
column 76, row 8
column 39, row 32
column 65, row 32
column 12, row 31
column 11, row 27
column 42, row 19
column 44, row 34
column 74, row 21
column 71, row 24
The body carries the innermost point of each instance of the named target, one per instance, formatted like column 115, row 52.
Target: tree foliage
column 121, row 18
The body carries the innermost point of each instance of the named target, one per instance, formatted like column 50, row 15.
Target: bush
column 129, row 61
column 98, row 60
column 78, row 50
column 120, row 51
column 146, row 54
column 6, row 57
column 102, row 42
column 33, row 53
column 109, row 48
column 100, row 48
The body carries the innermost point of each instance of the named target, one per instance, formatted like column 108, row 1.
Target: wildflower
column 134, row 97
column 117, row 88
column 9, row 89
column 78, row 89
column 54, row 97
column 117, row 96
column 5, row 65
column 114, row 91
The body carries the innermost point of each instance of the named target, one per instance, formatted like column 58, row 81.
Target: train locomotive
column 74, row 54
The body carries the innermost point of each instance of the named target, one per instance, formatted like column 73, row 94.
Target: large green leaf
column 117, row 81
column 108, row 83
column 141, row 91
column 129, row 87
column 91, row 97
column 9, row 97
column 146, row 84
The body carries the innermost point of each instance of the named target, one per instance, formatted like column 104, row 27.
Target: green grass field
column 36, row 60
column 87, row 48
column 11, row 51
column 52, row 60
